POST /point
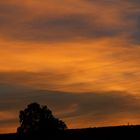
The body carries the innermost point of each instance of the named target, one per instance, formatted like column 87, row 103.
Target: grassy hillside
column 102, row 133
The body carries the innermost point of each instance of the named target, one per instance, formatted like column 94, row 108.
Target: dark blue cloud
column 98, row 104
column 112, row 1
column 61, row 28
column 134, row 32
column 15, row 25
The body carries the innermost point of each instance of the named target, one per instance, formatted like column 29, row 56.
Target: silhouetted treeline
column 36, row 119
column 38, row 123
column 104, row 133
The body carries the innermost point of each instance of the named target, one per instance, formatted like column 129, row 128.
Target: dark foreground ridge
column 130, row 132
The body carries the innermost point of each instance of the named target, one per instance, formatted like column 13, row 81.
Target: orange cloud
column 104, row 64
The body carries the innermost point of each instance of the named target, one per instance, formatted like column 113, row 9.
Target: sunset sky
column 81, row 58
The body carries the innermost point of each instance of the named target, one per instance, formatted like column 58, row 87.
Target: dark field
column 102, row 133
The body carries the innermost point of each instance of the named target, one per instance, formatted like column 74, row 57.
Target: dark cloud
column 97, row 104
column 134, row 1
column 11, row 14
column 112, row 1
column 16, row 96
column 135, row 36
column 61, row 28
column 15, row 24
column 106, row 2
column 130, row 14
column 9, row 9
column 133, row 17
column 37, row 79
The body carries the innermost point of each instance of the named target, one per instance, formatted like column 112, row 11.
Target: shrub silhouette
column 38, row 119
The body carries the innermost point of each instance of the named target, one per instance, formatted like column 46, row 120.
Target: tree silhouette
column 38, row 119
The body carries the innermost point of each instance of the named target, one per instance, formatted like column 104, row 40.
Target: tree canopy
column 36, row 118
